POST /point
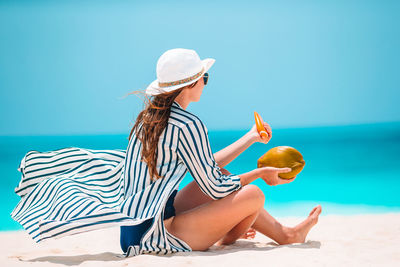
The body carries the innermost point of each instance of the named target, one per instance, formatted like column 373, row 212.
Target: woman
column 74, row 190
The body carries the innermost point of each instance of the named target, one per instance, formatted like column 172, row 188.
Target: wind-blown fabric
column 73, row 190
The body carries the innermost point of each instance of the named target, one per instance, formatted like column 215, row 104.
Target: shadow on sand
column 240, row 245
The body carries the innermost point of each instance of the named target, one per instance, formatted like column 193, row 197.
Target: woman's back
column 137, row 180
column 183, row 146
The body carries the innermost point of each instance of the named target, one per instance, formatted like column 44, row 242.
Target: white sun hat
column 177, row 68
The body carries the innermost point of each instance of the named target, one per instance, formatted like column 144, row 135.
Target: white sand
column 356, row 240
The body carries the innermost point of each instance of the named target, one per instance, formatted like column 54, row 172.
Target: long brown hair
column 153, row 119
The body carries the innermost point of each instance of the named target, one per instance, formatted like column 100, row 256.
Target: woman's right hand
column 270, row 175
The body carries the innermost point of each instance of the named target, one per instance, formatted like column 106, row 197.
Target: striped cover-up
column 74, row 190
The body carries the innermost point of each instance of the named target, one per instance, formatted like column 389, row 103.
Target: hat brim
column 154, row 89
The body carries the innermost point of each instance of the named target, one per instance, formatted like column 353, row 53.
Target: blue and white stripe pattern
column 74, row 190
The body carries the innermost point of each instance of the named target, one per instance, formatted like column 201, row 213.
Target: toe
column 319, row 209
column 312, row 211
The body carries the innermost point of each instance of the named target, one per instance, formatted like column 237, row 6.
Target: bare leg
column 191, row 196
column 269, row 226
column 237, row 231
column 193, row 225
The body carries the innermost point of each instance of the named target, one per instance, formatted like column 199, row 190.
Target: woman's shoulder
column 183, row 118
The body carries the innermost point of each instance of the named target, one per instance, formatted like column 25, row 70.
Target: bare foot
column 301, row 230
column 250, row 234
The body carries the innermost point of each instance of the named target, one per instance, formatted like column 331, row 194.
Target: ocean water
column 349, row 169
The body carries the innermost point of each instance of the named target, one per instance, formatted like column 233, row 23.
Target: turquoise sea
column 349, row 169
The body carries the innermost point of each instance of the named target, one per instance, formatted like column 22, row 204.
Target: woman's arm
column 268, row 174
column 229, row 153
column 193, row 149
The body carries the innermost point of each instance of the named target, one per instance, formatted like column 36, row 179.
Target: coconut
column 282, row 157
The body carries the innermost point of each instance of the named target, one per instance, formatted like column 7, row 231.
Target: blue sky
column 64, row 66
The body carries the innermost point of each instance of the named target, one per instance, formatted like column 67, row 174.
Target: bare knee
column 254, row 191
column 255, row 194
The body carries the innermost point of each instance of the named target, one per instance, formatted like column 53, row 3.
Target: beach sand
column 337, row 240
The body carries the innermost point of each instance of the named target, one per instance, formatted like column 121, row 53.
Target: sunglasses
column 205, row 78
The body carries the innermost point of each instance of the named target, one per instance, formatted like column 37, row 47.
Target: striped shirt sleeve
column 194, row 150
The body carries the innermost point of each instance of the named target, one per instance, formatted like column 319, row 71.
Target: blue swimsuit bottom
column 131, row 235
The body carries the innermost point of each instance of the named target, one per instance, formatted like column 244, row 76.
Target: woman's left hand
column 257, row 137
